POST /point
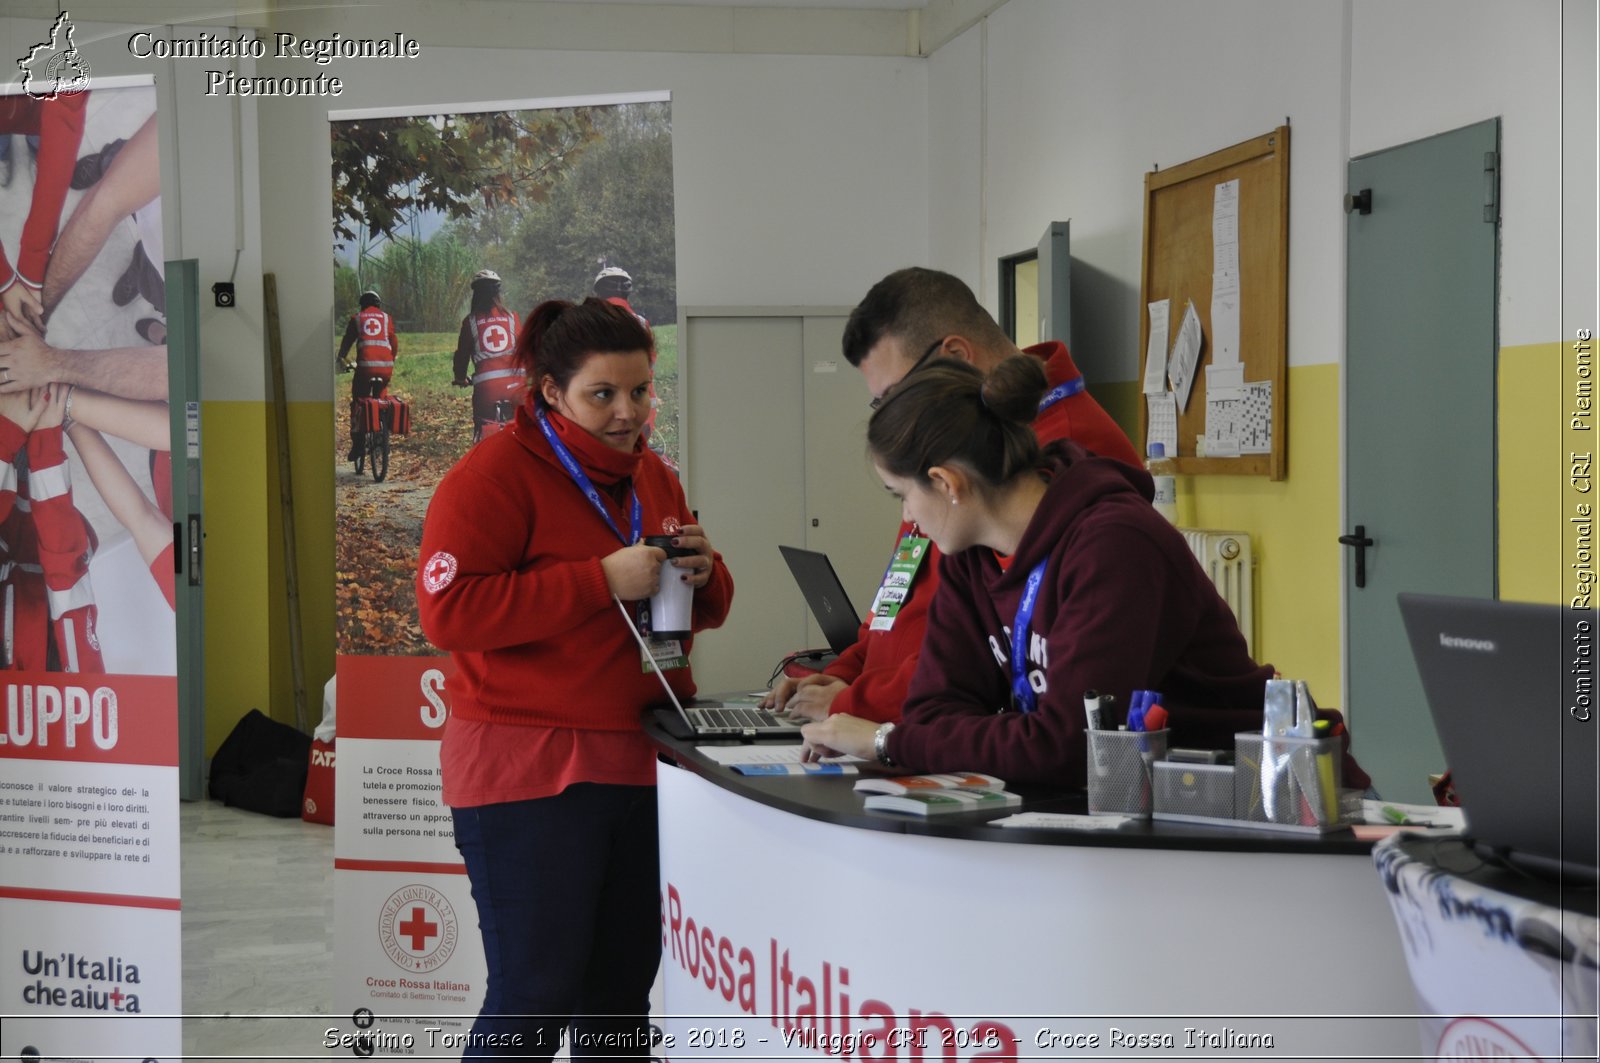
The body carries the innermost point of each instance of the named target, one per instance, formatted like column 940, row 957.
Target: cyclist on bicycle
column 486, row 344
column 614, row 285
column 371, row 332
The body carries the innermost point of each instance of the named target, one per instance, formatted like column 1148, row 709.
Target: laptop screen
column 826, row 596
column 1502, row 687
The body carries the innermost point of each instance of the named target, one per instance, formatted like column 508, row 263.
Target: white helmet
column 614, row 279
column 485, row 276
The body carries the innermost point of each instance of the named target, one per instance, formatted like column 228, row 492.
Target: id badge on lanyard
column 897, row 579
column 667, row 652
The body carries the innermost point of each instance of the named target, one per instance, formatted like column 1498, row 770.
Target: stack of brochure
column 928, row 795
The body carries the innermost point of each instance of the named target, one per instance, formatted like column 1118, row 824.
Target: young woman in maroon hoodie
column 550, row 781
column 1058, row 577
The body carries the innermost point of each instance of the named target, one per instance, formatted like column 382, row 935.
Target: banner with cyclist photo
column 450, row 225
column 89, row 871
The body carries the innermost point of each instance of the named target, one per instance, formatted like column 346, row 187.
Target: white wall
column 1428, row 66
column 199, row 188
column 1084, row 97
column 799, row 180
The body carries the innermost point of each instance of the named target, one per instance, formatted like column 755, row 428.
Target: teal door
column 183, row 395
column 1421, row 342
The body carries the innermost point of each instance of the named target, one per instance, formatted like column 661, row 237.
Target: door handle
column 1360, row 541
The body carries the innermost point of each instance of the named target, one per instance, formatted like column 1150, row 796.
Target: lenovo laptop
column 1506, row 683
column 715, row 717
column 825, row 595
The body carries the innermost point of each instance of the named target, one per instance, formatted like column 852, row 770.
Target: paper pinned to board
column 1225, row 227
column 1225, row 318
column 1238, row 419
column 1185, row 355
column 1161, row 421
column 1155, row 351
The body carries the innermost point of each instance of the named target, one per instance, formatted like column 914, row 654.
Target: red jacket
column 487, row 344
column 880, row 664
column 510, row 583
column 44, row 559
column 58, row 123
column 1078, row 417
column 1124, row 606
column 375, row 341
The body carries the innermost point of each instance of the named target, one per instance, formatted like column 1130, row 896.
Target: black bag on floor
column 261, row 766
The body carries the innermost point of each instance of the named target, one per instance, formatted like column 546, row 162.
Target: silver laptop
column 726, row 716
column 1506, row 701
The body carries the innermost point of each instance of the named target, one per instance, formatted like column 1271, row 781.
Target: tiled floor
column 257, row 933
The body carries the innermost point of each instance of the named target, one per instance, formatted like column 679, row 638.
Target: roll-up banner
column 547, row 194
column 89, row 874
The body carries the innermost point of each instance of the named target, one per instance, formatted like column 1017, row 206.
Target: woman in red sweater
column 530, row 541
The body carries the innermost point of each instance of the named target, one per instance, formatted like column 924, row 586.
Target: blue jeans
column 568, row 896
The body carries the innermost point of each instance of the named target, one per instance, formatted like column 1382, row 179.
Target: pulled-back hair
column 485, row 296
column 560, row 336
column 949, row 413
column 920, row 306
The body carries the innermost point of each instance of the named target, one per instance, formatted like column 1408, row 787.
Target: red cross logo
column 496, row 339
column 372, row 326
column 418, row 929
column 438, row 572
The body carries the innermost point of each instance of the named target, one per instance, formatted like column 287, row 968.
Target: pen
column 1091, row 710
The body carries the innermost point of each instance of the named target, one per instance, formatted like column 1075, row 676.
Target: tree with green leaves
column 613, row 206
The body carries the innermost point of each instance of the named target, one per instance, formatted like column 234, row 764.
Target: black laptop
column 825, row 595
column 1507, row 683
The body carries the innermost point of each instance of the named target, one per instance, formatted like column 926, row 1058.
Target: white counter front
column 788, row 936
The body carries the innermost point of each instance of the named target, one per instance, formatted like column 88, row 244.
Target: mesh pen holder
column 1288, row 781
column 1119, row 764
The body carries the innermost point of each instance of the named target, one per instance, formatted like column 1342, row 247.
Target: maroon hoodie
column 1124, row 606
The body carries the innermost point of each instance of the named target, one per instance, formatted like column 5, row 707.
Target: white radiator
column 1227, row 558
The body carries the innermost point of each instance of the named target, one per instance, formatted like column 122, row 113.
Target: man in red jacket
column 371, row 331
column 906, row 320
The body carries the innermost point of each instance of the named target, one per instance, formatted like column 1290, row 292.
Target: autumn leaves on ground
column 380, row 525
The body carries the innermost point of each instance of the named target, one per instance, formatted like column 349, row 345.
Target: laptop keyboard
column 752, row 719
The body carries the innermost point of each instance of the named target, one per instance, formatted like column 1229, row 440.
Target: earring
column 954, row 501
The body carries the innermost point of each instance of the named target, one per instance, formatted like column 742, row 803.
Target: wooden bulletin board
column 1178, row 264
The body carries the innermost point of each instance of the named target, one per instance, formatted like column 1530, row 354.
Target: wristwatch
column 880, row 744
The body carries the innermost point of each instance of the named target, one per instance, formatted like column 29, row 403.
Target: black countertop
column 832, row 799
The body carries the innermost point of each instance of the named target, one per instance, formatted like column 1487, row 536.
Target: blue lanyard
column 1021, row 690
column 1059, row 392
column 568, row 462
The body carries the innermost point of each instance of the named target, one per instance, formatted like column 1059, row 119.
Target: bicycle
column 505, row 411
column 378, row 419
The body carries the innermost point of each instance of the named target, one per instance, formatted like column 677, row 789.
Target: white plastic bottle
column 1165, row 473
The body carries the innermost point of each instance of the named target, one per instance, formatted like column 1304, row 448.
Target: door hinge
column 1491, row 186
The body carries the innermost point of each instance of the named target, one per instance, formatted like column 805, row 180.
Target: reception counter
column 796, row 923
column 1506, row 966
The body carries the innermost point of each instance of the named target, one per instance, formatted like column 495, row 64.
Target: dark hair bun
column 1013, row 388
